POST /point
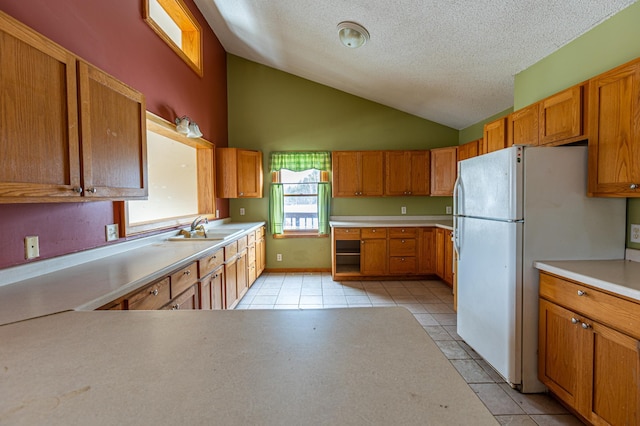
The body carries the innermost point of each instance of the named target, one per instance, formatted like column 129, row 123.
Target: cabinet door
column 614, row 140
column 426, row 251
column 346, row 175
column 615, row 394
column 397, row 172
column 230, row 284
column 495, row 135
column 523, row 126
column 560, row 345
column 373, row 257
column 113, row 137
column 217, row 288
column 372, row 173
column 185, row 301
column 440, row 241
column 420, row 176
column 469, row 149
column 242, row 279
column 561, row 117
column 204, row 292
column 443, row 170
column 261, row 255
column 250, row 174
column 448, row 259
column 39, row 121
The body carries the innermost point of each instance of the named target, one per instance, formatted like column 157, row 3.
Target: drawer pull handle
column 187, row 272
column 154, row 292
column 92, row 190
column 585, row 325
column 574, row 320
column 633, row 186
column 373, row 230
column 402, row 241
column 77, row 189
column 175, row 307
column 582, row 293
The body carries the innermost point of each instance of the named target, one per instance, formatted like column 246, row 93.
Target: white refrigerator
column 513, row 207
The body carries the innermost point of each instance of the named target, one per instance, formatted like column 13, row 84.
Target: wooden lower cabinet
column 211, row 290
column 186, row 300
column 261, row 251
column 230, row 283
column 585, row 359
column 391, row 252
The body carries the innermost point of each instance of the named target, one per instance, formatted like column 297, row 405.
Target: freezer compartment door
column 490, row 291
column 490, row 185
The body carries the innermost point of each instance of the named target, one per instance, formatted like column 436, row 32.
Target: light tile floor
column 431, row 303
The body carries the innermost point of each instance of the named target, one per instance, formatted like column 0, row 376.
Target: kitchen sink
column 210, row 236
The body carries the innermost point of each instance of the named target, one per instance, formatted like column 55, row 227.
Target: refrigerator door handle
column 457, row 187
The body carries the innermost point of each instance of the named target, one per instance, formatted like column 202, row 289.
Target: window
column 175, row 24
column 180, row 178
column 300, row 193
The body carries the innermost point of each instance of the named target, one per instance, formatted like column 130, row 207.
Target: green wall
column 611, row 43
column 270, row 110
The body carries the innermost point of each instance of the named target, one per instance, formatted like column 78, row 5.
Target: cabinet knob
column 582, row 293
column 241, row 194
column 175, row 307
column 585, row 325
column 77, row 189
column 92, row 190
column 633, row 186
column 373, row 230
column 402, row 241
column 154, row 292
column 187, row 272
column 574, row 320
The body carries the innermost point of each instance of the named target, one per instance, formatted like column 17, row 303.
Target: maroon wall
column 113, row 36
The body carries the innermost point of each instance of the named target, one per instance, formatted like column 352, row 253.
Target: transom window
column 175, row 24
column 300, row 194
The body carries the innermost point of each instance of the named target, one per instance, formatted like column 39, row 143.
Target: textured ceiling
column 449, row 61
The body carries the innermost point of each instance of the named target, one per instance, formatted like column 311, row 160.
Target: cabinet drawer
column 403, row 232
column 242, row 243
column 402, row 247
column 616, row 312
column 346, row 233
column 368, row 233
column 230, row 250
column 151, row 297
column 183, row 279
column 402, row 265
column 187, row 300
column 209, row 263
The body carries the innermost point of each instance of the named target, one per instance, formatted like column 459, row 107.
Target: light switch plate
column 111, row 232
column 241, row 211
column 635, row 233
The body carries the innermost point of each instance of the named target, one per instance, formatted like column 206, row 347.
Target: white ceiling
column 449, row 61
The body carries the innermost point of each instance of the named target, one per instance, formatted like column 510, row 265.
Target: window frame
column 300, row 233
column 191, row 50
column 205, row 158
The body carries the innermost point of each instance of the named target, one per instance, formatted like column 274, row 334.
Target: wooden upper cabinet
column 614, row 139
column 495, row 135
column 357, row 173
column 523, row 126
column 238, row 173
column 407, row 173
column 444, row 164
column 54, row 149
column 562, row 117
column 113, row 137
column 469, row 149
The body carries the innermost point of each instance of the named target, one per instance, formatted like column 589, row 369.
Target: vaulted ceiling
column 449, row 61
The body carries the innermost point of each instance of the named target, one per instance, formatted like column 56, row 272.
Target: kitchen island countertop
column 333, row 366
column 621, row 276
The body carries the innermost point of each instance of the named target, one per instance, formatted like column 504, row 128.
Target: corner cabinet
column 589, row 352
column 357, row 173
column 469, row 150
column 70, row 132
column 238, row 173
column 614, row 140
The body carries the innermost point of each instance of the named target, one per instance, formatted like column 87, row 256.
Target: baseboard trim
column 281, row 270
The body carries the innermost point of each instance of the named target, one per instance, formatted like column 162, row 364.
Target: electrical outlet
column 31, row 247
column 403, row 210
column 241, row 211
column 448, row 209
column 111, row 232
column 217, row 213
column 635, row 233
column 279, row 257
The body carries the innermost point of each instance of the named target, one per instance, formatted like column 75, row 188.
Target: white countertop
column 445, row 222
column 617, row 276
column 91, row 284
column 276, row 367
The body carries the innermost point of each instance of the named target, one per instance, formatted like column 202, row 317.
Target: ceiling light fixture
column 352, row 35
column 186, row 127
